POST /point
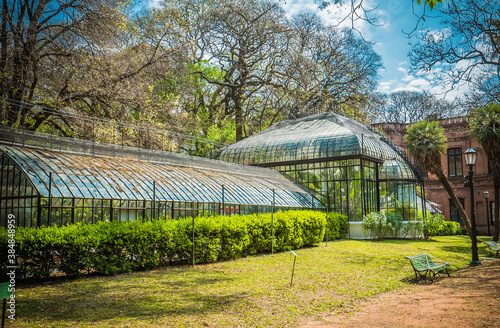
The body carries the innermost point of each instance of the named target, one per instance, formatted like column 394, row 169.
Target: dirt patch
column 469, row 298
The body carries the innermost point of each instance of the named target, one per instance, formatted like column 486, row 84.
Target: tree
column 426, row 143
column 77, row 56
column 329, row 69
column 254, row 66
column 485, row 127
column 465, row 49
column 246, row 39
column 410, row 107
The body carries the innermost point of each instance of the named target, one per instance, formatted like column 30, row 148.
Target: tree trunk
column 238, row 117
column 446, row 184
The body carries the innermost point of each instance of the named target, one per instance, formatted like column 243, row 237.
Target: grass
column 253, row 291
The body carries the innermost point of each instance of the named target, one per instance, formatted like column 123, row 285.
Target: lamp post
column 486, row 196
column 470, row 160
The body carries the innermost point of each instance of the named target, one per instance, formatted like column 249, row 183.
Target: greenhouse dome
column 351, row 168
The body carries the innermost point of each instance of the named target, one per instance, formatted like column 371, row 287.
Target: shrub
column 450, row 228
column 394, row 222
column 432, row 225
column 113, row 247
column 383, row 225
column 375, row 225
column 337, row 225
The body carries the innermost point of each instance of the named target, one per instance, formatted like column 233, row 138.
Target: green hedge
column 113, row 247
column 337, row 225
column 435, row 225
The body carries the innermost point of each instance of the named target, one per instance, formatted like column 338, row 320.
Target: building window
column 490, row 167
column 455, row 162
column 454, row 213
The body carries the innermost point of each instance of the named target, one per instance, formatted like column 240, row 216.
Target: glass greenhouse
column 81, row 182
column 349, row 167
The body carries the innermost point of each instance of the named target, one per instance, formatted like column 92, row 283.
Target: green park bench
column 426, row 266
column 493, row 246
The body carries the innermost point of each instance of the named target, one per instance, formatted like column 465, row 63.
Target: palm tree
column 426, row 143
column 485, row 126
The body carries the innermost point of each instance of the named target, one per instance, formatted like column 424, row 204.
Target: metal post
column 377, row 186
column 272, row 223
column 49, row 217
column 193, row 240
column 154, row 201
column 39, row 213
column 486, row 194
column 223, row 204
column 424, row 203
column 293, row 269
column 475, row 257
column 73, row 211
column 111, row 209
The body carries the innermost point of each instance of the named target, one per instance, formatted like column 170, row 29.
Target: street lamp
column 486, row 196
column 470, row 159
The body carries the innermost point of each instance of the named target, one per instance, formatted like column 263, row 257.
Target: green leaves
column 431, row 3
column 114, row 247
column 426, row 143
column 435, row 225
column 337, row 225
column 384, row 225
column 485, row 127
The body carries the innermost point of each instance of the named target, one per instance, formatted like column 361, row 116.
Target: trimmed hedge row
column 113, row 247
column 337, row 225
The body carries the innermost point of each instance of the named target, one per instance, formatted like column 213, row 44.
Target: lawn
column 249, row 292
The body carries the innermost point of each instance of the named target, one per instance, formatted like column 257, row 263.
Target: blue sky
column 390, row 41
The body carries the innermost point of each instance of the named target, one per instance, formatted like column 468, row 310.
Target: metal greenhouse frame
column 80, row 181
column 351, row 168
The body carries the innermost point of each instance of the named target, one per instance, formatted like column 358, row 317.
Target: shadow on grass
column 425, row 281
column 162, row 293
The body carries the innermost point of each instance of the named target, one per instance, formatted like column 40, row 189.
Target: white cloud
column 408, row 78
column 439, row 35
column 386, row 87
column 154, row 3
column 406, row 88
column 335, row 14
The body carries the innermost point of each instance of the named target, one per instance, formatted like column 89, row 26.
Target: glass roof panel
column 313, row 137
column 396, row 170
column 84, row 176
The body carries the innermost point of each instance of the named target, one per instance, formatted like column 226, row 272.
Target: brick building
column 457, row 133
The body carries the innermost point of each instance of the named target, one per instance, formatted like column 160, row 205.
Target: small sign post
column 293, row 269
